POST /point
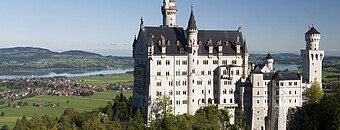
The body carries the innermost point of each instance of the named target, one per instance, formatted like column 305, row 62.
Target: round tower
column 312, row 38
column 169, row 11
column 192, row 58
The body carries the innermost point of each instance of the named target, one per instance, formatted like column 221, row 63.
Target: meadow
column 78, row 103
column 105, row 80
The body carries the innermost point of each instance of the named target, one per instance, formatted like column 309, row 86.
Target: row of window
column 289, row 83
column 178, row 83
column 178, row 102
column 184, row 73
column 205, row 62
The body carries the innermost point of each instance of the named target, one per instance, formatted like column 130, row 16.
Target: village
column 18, row 89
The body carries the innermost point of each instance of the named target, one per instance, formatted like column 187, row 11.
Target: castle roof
column 192, row 21
column 269, row 56
column 281, row 76
column 177, row 38
column 312, row 31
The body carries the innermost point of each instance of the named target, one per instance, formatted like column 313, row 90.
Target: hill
column 29, row 58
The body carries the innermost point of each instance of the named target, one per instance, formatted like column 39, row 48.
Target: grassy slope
column 106, row 80
column 77, row 102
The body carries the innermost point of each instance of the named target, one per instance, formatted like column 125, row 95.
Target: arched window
column 316, row 57
column 225, row 101
column 312, row 56
column 237, row 72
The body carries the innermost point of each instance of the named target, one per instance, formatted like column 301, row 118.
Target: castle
column 197, row 68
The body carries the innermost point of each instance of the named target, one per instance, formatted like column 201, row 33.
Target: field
column 77, row 102
column 105, row 80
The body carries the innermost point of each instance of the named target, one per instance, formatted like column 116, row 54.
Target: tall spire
column 192, row 21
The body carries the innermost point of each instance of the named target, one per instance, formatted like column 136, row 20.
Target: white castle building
column 197, row 68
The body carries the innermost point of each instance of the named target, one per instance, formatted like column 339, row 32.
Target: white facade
column 197, row 68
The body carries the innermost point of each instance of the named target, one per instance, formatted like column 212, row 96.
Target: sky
column 109, row 26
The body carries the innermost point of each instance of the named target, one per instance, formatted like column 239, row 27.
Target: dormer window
column 208, row 42
column 200, row 42
column 159, row 42
column 218, row 43
column 168, row 42
column 226, row 43
column 161, row 36
column 177, row 42
column 152, row 36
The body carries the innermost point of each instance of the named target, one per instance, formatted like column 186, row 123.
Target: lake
column 67, row 73
column 89, row 72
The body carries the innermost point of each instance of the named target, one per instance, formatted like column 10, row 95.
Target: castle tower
column 270, row 62
column 169, row 11
column 312, row 57
column 192, row 58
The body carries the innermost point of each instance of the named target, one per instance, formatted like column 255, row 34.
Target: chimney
column 252, row 66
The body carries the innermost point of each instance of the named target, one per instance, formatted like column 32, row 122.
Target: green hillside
column 29, row 58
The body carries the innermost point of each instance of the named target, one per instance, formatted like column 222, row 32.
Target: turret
column 169, row 11
column 192, row 58
column 312, row 38
column 270, row 61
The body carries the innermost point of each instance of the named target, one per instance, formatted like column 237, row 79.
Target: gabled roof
column 257, row 70
column 312, row 31
column 286, row 76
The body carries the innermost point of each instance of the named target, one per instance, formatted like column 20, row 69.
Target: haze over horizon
column 108, row 27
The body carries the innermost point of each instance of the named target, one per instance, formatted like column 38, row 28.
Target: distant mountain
column 25, row 54
column 79, row 53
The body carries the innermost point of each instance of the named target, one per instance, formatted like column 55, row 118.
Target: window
column 170, row 93
column 224, row 62
column 290, row 101
column 159, row 83
column 231, row 72
column 170, row 102
column 193, row 90
column 229, row 82
column 184, row 62
column 184, row 73
column 295, row 83
column 178, row 102
column 167, row 73
column 209, row 91
column 202, row 100
column 170, row 83
column 185, row 101
column 258, row 101
column 198, row 62
column 290, row 92
column 209, row 72
column 178, row 83
column 184, row 92
column 277, row 100
column 159, row 73
column 290, row 83
column 178, row 62
column 178, row 73
column 209, row 82
column 258, row 93
column 258, row 83
column 265, row 83
column 205, row 62
column 225, row 101
column 224, row 72
column 159, row 93
column 159, row 62
column 237, row 72
column 202, row 91
column 231, row 91
column 184, row 83
column 178, row 92
column 215, row 62
column 225, row 82
column 234, row 61
column 281, row 84
column 167, row 62
column 202, row 72
column 277, row 92
column 224, row 91
column 199, row 82
column 295, row 92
